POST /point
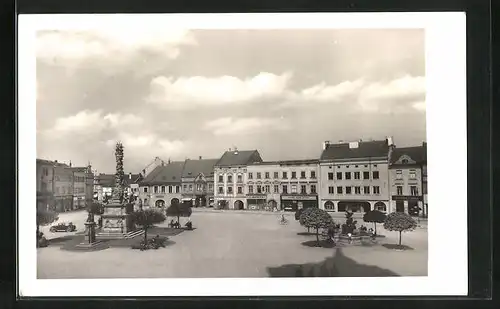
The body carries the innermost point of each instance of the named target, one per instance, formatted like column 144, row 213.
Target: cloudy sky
column 181, row 94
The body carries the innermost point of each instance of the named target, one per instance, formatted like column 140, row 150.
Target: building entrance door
column 400, row 206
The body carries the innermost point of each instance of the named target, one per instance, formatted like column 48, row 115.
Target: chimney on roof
column 389, row 141
column 55, row 161
column 169, row 161
column 69, row 163
column 129, row 175
column 235, row 150
column 325, row 144
column 353, row 145
column 199, row 157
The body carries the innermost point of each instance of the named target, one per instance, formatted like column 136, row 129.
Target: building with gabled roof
column 354, row 175
column 198, row 182
column 406, row 179
column 162, row 186
column 230, row 178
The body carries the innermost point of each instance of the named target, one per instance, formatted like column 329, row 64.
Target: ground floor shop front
column 250, row 202
column 296, row 202
column 355, row 205
column 412, row 205
column 198, row 200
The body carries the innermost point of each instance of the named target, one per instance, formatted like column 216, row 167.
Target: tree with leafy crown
column 146, row 219
column 400, row 222
column 375, row 216
column 178, row 210
column 316, row 219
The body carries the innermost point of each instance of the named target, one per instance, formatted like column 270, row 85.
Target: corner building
column 162, row 186
column 230, row 179
column 354, row 176
column 406, row 178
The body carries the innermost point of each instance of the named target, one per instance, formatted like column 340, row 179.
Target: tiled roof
column 417, row 154
column 168, row 173
column 239, row 157
column 193, row 168
column 106, row 180
column 287, row 162
column 53, row 163
column 132, row 178
column 368, row 149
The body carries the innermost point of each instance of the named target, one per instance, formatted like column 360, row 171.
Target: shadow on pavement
column 305, row 234
column 397, row 247
column 322, row 244
column 337, row 266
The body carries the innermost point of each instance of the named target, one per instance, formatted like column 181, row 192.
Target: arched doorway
column 354, row 206
column 380, row 206
column 272, row 204
column 174, row 201
column 329, row 206
column 160, row 203
column 238, row 205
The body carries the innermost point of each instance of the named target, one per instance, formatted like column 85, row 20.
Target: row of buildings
column 356, row 176
column 63, row 187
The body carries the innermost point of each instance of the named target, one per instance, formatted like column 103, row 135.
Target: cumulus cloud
column 361, row 95
column 192, row 92
column 91, row 122
column 238, row 126
column 111, row 47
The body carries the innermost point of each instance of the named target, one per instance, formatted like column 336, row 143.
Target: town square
column 181, row 156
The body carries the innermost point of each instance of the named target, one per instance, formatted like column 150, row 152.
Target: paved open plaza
column 232, row 244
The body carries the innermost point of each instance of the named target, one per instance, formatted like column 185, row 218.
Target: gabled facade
column 406, row 178
column 354, row 176
column 198, row 182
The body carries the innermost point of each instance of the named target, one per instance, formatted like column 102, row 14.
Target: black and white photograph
column 210, row 149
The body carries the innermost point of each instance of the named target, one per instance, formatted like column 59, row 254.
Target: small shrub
column 153, row 243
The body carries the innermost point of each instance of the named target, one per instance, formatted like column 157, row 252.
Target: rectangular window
column 399, row 174
column 155, row 189
column 294, row 188
column 347, row 175
column 375, row 175
column 303, row 189
column 250, row 175
column 221, row 190
column 357, row 175
column 366, row 189
column 330, row 176
column 221, row 178
column 313, row 174
column 294, row 175
column 250, row 189
column 169, row 189
column 259, row 189
column 302, row 175
column 230, row 190
column 357, row 190
column 268, row 189
column 276, row 189
column 240, row 190
column 210, row 186
column 190, row 188
column 348, row 190
column 399, row 190
column 276, row 175
column 331, row 190
column 285, row 189
column 145, row 189
column 177, row 189
column 285, row 175
column 339, row 175
column 339, row 190
column 267, row 175
column 376, row 190
column 240, row 178
column 313, row 189
column 413, row 174
column 229, row 178
column 413, row 190
column 258, row 175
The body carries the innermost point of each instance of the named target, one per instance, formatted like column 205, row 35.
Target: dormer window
column 404, row 161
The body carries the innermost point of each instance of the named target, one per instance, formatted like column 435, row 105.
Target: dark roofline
column 287, row 162
column 234, row 165
column 355, row 159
